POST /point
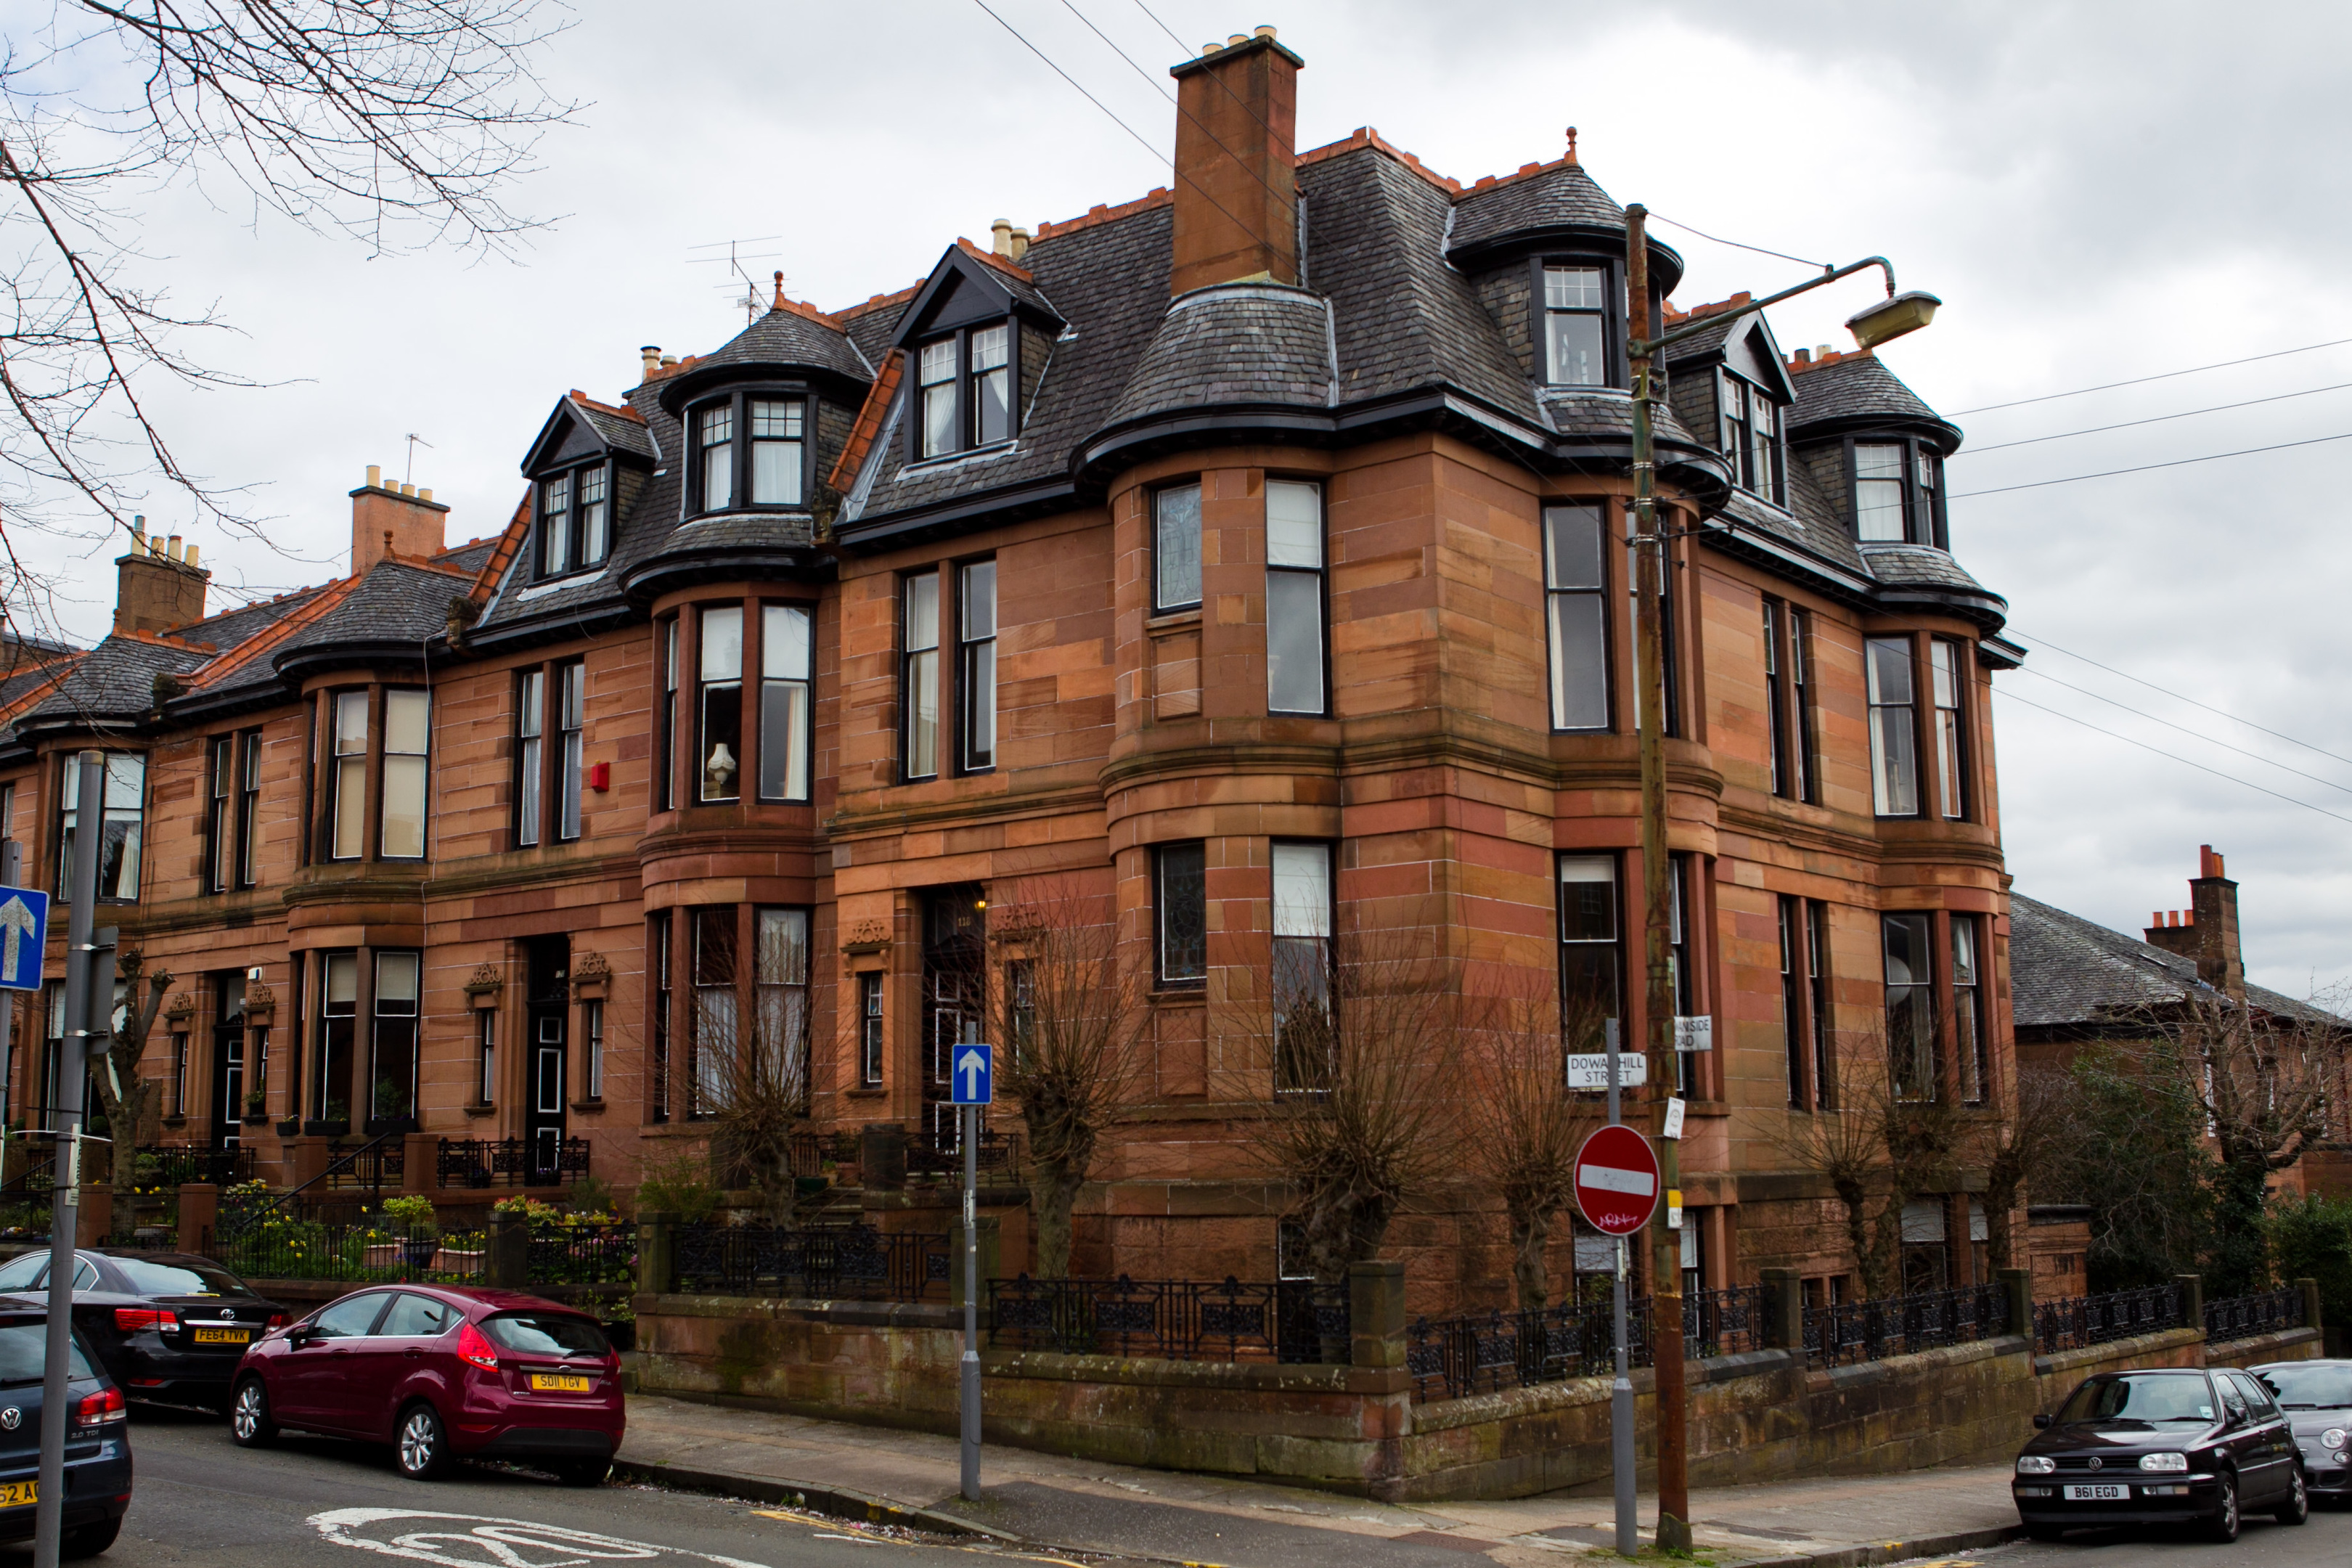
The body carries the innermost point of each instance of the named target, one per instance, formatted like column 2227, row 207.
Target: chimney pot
column 1236, row 38
column 668, row 361
column 155, row 546
column 1264, row 29
column 171, row 548
column 423, row 495
column 1020, row 243
column 650, row 354
column 192, row 559
column 1001, row 236
column 375, row 475
column 1210, row 48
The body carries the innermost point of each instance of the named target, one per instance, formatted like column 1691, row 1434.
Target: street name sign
column 1589, row 1070
column 1616, row 1181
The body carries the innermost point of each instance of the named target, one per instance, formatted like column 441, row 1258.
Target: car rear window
column 23, row 1349
column 2310, row 1387
column 148, row 1277
column 546, row 1333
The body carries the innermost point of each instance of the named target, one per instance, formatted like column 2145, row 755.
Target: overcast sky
column 2097, row 193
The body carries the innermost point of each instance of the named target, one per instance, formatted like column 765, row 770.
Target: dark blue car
column 98, row 1438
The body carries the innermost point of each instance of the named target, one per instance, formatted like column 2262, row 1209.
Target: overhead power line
column 2144, row 468
column 2184, row 762
column 1736, row 245
column 2180, row 697
column 2156, row 419
column 2194, row 734
column 2160, row 375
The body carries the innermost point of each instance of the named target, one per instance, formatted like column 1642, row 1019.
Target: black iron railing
column 367, row 1167
column 1457, row 1357
column 940, row 1153
column 812, row 1151
column 172, row 1164
column 821, row 1261
column 582, row 1254
column 2079, row 1320
column 510, row 1161
column 1845, row 1331
column 285, row 1248
column 2265, row 1312
column 1291, row 1320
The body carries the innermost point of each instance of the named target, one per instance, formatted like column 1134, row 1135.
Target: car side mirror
column 2041, row 1423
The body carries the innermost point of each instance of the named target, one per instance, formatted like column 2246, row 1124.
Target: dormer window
column 1751, row 437
column 1898, row 492
column 575, row 528
column 750, row 450
column 1576, row 324
column 965, row 381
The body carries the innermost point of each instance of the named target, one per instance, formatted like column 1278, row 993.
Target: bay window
column 719, row 704
column 1294, row 597
column 776, row 440
column 1898, row 491
column 1576, row 616
column 1969, row 1012
column 1946, row 661
column 714, row 455
column 121, row 804
column 1302, row 966
column 1589, row 958
column 784, row 734
column 1894, row 743
column 976, row 664
column 711, row 1041
column 1576, row 325
column 1176, row 548
column 349, row 790
column 1180, row 913
column 407, row 726
column 1666, row 636
column 918, row 676
column 338, row 998
column 778, row 1056
column 664, row 979
column 392, row 1047
column 1910, row 1006
column 666, row 718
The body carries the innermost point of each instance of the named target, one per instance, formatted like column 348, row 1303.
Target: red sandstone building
column 1263, row 534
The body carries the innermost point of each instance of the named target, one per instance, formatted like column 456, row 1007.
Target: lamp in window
column 1891, row 319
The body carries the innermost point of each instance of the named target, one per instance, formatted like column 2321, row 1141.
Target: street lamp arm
column 1692, row 329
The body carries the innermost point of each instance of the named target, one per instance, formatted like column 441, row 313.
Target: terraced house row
column 1250, row 555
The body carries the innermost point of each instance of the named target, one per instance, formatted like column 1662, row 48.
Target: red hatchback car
column 441, row 1374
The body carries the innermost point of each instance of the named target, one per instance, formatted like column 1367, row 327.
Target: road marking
column 483, row 1540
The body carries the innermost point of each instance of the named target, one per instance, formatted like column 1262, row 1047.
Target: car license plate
column 17, row 1494
column 205, row 1336
column 2108, row 1492
column 559, row 1383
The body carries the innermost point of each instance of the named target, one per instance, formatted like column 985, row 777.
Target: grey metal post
column 65, row 1209
column 971, row 1400
column 1620, row 1392
column 12, row 870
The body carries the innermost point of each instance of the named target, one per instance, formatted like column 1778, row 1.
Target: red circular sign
column 1616, row 1181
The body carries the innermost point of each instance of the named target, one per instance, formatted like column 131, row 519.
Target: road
column 200, row 1500
column 2327, row 1538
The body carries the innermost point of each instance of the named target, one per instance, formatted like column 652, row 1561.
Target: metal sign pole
column 1620, row 1392
column 971, row 1400
column 65, row 1209
column 12, row 871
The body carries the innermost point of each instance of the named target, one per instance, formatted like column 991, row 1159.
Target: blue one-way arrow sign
column 24, row 933
column 974, row 1075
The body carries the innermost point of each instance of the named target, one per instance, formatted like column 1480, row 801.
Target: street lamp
column 1889, row 319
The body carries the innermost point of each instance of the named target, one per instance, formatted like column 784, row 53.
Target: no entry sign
column 1616, row 1181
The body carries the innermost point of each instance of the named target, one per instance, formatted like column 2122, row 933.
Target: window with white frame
column 1294, row 597
column 1750, row 436
column 1576, row 616
column 1946, row 662
column 976, row 664
column 719, row 706
column 121, row 821
column 1893, row 726
column 785, row 650
column 407, row 733
column 1878, row 511
column 919, row 678
column 1576, row 324
column 1302, row 966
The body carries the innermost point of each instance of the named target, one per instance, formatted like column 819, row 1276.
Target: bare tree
column 1521, row 1128
column 2022, row 1154
column 1878, row 1153
column 1069, row 1022
column 751, row 1074
column 126, row 1111
column 1367, row 1109
column 397, row 123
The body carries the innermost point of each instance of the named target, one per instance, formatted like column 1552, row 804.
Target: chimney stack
column 651, row 356
column 156, row 591
column 394, row 519
column 2213, row 899
column 1235, row 190
column 1001, row 233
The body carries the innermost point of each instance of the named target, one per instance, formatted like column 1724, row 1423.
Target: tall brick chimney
column 2208, row 930
column 157, row 587
column 394, row 519
column 1236, row 130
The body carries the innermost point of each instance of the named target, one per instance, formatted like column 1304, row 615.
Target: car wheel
column 89, row 1541
column 424, row 1446
column 2297, row 1506
column 584, row 1472
column 248, row 1415
column 2223, row 1526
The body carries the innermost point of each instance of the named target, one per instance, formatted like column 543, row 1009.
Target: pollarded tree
column 751, row 1074
column 1521, row 1128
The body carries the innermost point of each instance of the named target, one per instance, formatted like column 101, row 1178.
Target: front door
column 543, row 1086
column 228, row 1058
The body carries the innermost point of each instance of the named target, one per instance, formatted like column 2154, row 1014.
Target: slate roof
column 786, row 337
column 2065, row 971
column 231, row 627
column 1237, row 342
column 395, row 603
column 1921, row 565
column 116, row 680
column 471, row 558
column 616, row 431
column 1857, row 386
column 1556, row 197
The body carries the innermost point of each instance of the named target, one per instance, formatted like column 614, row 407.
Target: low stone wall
column 1762, row 1415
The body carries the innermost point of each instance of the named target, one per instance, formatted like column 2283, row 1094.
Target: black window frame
column 220, row 796
column 530, row 756
column 574, row 532
column 1667, row 642
column 662, row 999
column 666, row 653
column 1971, row 1050
column 974, row 649
column 248, row 809
column 1925, row 513
column 707, row 688
column 1794, row 764
column 1612, row 313
column 567, row 692
column 871, row 1017
column 1920, row 1000
column 1741, row 449
column 941, row 609
column 964, row 421
column 740, row 438
column 1879, row 736
column 1161, row 855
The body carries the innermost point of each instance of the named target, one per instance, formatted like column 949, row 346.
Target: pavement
column 912, row 1478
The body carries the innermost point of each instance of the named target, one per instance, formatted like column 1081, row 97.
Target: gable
column 567, row 437
column 1750, row 352
column 962, row 289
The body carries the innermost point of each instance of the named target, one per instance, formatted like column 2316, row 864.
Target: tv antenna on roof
column 751, row 298
column 408, row 468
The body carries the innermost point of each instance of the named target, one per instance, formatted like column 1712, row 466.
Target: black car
column 2161, row 1447
column 2317, row 1398
column 166, row 1326
column 97, row 1439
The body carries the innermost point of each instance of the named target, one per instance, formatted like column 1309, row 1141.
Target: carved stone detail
column 867, row 936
